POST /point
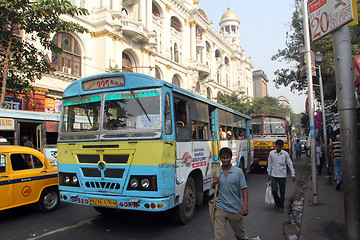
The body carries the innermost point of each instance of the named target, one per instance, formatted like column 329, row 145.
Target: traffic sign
column 328, row 15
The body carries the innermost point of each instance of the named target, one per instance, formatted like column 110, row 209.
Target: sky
column 263, row 27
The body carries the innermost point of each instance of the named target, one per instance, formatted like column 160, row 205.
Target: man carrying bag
column 232, row 188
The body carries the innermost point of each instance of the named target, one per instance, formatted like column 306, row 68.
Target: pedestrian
column 298, row 149
column 319, row 155
column 337, row 161
column 228, row 205
column 277, row 161
column 27, row 142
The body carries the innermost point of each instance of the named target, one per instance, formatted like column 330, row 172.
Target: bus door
column 184, row 150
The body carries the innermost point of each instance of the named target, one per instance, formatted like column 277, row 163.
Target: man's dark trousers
column 279, row 201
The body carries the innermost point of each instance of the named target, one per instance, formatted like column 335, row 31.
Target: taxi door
column 6, row 186
column 26, row 178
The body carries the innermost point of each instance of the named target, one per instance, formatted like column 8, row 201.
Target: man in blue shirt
column 232, row 186
column 298, row 149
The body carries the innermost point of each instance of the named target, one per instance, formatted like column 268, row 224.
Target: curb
column 293, row 226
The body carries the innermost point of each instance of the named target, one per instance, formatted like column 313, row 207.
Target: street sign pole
column 345, row 89
column 311, row 101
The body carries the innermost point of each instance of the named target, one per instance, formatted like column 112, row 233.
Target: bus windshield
column 274, row 126
column 130, row 114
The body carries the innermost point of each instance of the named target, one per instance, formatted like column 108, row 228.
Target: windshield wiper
column 87, row 114
column 138, row 101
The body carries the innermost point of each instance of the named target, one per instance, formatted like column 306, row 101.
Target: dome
column 229, row 14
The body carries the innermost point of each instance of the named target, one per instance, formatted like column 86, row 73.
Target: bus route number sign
column 103, row 83
column 328, row 15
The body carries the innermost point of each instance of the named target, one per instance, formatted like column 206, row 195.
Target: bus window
column 193, row 130
column 167, row 114
column 204, row 131
column 181, row 119
column 222, row 132
column 256, row 125
column 274, row 126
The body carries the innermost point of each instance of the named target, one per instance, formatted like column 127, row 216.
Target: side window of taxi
column 23, row 161
column 2, row 163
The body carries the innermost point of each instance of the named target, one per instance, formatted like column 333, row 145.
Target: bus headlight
column 134, row 183
column 145, row 183
column 142, row 183
column 68, row 179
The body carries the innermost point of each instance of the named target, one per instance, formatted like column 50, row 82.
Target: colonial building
column 260, row 83
column 173, row 40
column 283, row 101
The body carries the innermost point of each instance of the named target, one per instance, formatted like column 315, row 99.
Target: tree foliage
column 21, row 62
column 290, row 76
column 256, row 106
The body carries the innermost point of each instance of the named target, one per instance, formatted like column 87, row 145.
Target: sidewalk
column 326, row 220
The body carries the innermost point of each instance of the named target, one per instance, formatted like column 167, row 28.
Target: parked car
column 27, row 177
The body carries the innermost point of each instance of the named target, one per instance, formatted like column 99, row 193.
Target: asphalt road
column 80, row 222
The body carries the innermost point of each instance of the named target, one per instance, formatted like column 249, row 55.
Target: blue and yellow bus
column 130, row 141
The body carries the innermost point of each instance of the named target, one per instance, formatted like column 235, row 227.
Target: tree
column 294, row 38
column 20, row 61
column 256, row 106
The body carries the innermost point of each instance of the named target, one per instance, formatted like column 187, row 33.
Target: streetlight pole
column 318, row 58
column 311, row 100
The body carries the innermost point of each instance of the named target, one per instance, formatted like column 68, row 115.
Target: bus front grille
column 102, row 185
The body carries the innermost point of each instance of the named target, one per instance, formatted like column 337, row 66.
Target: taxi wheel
column 49, row 200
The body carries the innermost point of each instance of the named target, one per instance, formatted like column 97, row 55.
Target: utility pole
column 345, row 89
column 311, row 101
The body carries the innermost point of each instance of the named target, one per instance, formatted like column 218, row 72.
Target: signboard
column 7, row 124
column 13, row 103
column 100, row 83
column 328, row 15
column 357, row 75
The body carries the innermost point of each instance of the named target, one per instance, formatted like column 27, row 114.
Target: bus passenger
column 222, row 133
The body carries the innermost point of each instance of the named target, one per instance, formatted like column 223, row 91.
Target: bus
column 131, row 141
column 266, row 130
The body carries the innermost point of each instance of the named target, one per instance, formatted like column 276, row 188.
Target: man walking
column 277, row 162
column 232, row 187
column 298, row 149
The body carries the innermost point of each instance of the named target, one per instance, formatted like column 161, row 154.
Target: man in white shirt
column 277, row 162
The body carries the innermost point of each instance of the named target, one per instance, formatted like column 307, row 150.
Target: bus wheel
column 49, row 200
column 183, row 213
column 105, row 210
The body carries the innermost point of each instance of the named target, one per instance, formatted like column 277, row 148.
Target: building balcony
column 203, row 69
column 135, row 30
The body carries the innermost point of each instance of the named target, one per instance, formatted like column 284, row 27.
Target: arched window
column 227, row 62
column 70, row 60
column 155, row 10
column 197, row 87
column 176, row 80
column 157, row 73
column 217, row 54
column 176, row 53
column 208, row 93
column 126, row 63
column 176, row 24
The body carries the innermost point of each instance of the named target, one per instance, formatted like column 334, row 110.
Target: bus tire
column 105, row 210
column 183, row 213
column 49, row 200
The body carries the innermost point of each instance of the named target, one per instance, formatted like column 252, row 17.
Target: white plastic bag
column 269, row 198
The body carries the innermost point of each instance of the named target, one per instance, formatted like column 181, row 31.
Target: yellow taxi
column 27, row 177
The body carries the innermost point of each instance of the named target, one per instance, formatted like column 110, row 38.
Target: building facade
column 283, row 101
column 260, row 83
column 173, row 40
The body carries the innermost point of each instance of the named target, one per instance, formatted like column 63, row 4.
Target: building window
column 70, row 60
column 155, row 10
column 176, row 53
column 208, row 47
column 208, row 93
column 157, row 73
column 217, row 54
column 127, row 64
column 227, row 62
column 176, row 80
column 176, row 24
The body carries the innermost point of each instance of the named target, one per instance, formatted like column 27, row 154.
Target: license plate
column 262, row 162
column 103, row 202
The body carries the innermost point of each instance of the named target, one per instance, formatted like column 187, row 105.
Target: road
column 82, row 222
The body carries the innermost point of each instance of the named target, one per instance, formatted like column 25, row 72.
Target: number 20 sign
column 328, row 15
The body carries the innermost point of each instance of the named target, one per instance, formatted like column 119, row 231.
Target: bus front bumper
column 119, row 202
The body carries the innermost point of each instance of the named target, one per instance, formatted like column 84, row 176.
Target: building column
column 192, row 25
column 141, row 12
column 149, row 14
